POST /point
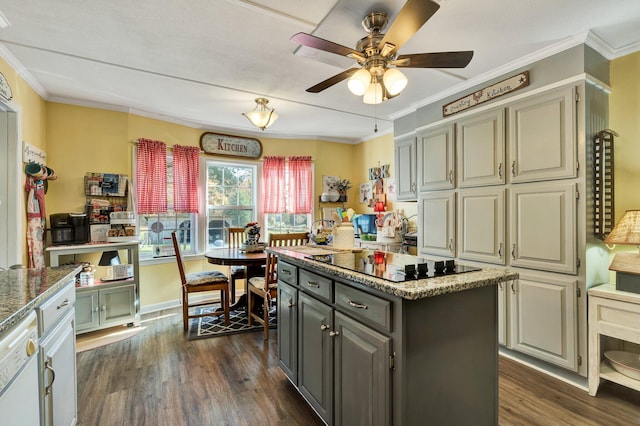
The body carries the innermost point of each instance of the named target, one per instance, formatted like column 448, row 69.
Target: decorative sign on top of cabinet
column 542, row 141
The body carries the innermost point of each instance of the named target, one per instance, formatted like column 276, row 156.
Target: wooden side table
column 615, row 314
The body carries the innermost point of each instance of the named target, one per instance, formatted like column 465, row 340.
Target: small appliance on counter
column 69, row 228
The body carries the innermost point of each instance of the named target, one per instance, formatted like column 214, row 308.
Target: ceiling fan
column 379, row 79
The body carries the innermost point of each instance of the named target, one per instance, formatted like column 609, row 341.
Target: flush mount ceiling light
column 262, row 116
column 378, row 78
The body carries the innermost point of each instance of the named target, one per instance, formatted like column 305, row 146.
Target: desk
column 236, row 257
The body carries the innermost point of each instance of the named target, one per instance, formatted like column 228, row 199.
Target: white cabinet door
column 436, row 158
column 437, row 213
column 543, row 227
column 542, row 137
column 58, row 381
column 481, row 225
column 543, row 318
column 480, row 149
column 117, row 305
column 87, row 309
column 405, row 164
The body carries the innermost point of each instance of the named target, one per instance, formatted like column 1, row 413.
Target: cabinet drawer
column 369, row 308
column 287, row 273
column 54, row 308
column 316, row 284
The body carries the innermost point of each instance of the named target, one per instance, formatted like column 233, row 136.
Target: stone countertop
column 411, row 289
column 21, row 290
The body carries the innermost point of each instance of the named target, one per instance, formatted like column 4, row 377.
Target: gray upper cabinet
column 406, row 169
column 542, row 137
column 480, row 145
column 436, row 158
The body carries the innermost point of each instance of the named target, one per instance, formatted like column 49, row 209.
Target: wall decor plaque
column 5, row 89
column 229, row 145
column 487, row 94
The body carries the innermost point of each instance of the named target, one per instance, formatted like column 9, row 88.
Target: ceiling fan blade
column 332, row 80
column 410, row 19
column 435, row 60
column 322, row 44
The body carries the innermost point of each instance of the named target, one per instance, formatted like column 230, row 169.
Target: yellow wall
column 624, row 105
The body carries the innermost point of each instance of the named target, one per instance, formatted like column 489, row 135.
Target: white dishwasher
column 19, row 402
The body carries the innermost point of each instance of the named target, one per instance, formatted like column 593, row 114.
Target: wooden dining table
column 252, row 261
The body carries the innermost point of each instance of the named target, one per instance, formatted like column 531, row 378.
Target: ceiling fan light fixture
column 394, row 81
column 373, row 95
column 359, row 82
column 261, row 116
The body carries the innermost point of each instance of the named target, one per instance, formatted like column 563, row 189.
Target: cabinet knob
column 513, row 252
column 47, row 365
column 291, row 304
column 324, row 327
column 334, row 333
column 513, row 168
column 500, row 170
column 451, row 245
column 64, row 303
column 513, row 287
column 451, row 176
column 500, row 251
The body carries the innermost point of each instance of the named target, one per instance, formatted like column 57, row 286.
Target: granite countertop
column 21, row 290
column 410, row 289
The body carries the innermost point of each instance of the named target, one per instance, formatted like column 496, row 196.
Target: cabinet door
column 58, row 381
column 437, row 224
column 117, row 304
column 480, row 149
column 405, row 164
column 315, row 349
column 543, row 227
column 543, row 318
column 87, row 309
column 436, row 158
column 481, row 225
column 542, row 137
column 288, row 330
column 362, row 374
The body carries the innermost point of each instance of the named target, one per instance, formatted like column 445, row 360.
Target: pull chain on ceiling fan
column 379, row 78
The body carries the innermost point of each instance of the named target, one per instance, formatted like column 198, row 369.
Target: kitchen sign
column 229, row 145
column 487, row 94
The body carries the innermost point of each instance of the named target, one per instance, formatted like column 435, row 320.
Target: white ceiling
column 202, row 62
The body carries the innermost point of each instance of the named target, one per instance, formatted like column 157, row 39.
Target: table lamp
column 626, row 265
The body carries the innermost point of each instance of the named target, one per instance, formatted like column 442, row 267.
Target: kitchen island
column 367, row 342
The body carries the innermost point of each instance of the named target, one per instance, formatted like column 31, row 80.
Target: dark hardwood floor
column 159, row 378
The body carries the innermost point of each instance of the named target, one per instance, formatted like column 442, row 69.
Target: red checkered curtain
column 151, row 176
column 300, row 184
column 186, row 172
column 273, row 184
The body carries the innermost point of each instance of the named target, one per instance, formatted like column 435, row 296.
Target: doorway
column 11, row 194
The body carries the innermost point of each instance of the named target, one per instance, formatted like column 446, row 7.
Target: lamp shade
column 261, row 116
column 627, row 231
column 394, row 81
column 373, row 95
column 109, row 258
column 379, row 206
column 359, row 82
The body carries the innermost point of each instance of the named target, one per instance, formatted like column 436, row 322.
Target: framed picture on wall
column 366, row 192
column 330, row 183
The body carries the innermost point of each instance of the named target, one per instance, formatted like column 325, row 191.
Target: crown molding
column 20, row 69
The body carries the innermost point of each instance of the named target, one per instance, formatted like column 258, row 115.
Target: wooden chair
column 235, row 238
column 198, row 282
column 266, row 288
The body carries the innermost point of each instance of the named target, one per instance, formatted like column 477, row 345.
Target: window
column 155, row 229
column 287, row 222
column 231, row 199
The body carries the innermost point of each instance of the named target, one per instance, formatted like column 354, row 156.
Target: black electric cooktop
column 393, row 266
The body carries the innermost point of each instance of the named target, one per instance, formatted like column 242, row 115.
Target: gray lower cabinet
column 288, row 330
column 105, row 306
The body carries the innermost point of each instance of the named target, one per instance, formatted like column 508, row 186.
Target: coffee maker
column 69, row 228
